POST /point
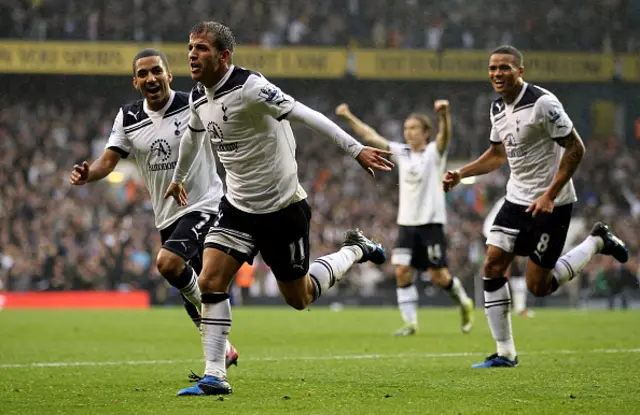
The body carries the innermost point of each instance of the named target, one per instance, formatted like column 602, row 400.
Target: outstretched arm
column 364, row 131
column 491, row 160
column 98, row 170
column 118, row 146
column 266, row 98
column 369, row 158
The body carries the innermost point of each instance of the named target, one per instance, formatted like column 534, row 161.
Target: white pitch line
column 307, row 358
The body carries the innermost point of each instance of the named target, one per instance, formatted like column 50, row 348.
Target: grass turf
column 318, row 362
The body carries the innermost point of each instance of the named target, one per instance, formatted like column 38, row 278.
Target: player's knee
column 209, row 283
column 440, row 276
column 492, row 268
column 537, row 287
column 404, row 275
column 169, row 264
column 213, row 280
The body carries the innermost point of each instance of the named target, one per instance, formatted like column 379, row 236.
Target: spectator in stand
column 572, row 25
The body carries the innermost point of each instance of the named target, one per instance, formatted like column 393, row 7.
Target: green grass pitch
column 318, row 362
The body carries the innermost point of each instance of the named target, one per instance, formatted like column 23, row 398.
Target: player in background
column 532, row 132
column 151, row 129
column 265, row 209
column 421, row 243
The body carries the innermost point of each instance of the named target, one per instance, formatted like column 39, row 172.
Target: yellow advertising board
column 630, row 68
column 473, row 65
column 112, row 58
column 105, row 58
column 84, row 58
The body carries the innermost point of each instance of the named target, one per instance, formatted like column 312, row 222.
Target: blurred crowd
column 101, row 236
column 577, row 25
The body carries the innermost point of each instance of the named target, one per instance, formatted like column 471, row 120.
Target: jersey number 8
column 543, row 244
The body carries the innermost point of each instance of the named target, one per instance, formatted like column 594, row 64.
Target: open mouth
column 153, row 90
column 499, row 83
column 195, row 67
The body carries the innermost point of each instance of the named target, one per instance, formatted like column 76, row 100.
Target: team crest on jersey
column 177, row 123
column 225, row 118
column 215, row 132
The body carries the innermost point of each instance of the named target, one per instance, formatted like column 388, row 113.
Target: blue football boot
column 371, row 251
column 496, row 361
column 208, row 385
column 612, row 244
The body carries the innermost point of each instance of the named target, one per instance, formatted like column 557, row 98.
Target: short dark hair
column 509, row 50
column 223, row 37
column 145, row 53
column 422, row 119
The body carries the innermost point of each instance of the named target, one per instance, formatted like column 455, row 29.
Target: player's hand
column 451, row 180
column 372, row 158
column 80, row 174
column 441, row 107
column 342, row 110
column 541, row 206
column 177, row 191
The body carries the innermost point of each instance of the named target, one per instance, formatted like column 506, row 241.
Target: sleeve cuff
column 124, row 154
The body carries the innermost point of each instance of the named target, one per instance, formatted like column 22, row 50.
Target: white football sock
column 519, row 288
column 573, row 262
column 192, row 291
column 497, row 300
column 326, row 270
column 408, row 304
column 457, row 293
column 215, row 326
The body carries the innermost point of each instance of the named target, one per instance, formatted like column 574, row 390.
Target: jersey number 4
column 434, row 252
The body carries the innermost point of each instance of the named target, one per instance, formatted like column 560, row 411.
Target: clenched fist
column 450, row 180
column 342, row 110
column 441, row 106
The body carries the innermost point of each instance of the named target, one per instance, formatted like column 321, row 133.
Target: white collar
column 221, row 82
column 162, row 110
column 520, row 95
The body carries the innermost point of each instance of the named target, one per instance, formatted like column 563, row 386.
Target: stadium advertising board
column 75, row 299
column 105, row 58
column 472, row 66
column 630, row 67
column 112, row 58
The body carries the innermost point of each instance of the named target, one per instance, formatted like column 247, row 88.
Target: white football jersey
column 527, row 128
column 244, row 117
column 154, row 139
column 421, row 195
